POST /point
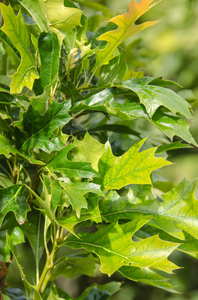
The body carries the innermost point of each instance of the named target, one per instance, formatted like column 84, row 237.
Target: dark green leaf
column 40, row 128
column 13, row 199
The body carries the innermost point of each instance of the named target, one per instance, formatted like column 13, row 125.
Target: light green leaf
column 76, row 191
column 115, row 248
column 147, row 276
column 69, row 168
column 155, row 96
column 61, row 17
column 92, row 214
column 172, row 146
column 126, row 28
column 36, row 10
column 133, row 167
column 40, row 128
column 15, row 28
column 7, row 149
column 89, row 150
column 13, row 199
column 97, row 6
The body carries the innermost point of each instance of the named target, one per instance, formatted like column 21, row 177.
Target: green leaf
column 115, row 71
column 172, row 146
column 147, row 276
column 115, row 248
column 68, row 168
column 155, row 96
column 7, row 149
column 76, row 191
column 48, row 45
column 13, row 199
column 7, row 40
column 126, row 28
column 92, row 214
column 172, row 126
column 16, row 30
column 97, row 6
column 89, row 150
column 61, row 17
column 33, row 229
column 71, row 266
column 16, row 294
column 131, row 168
column 37, row 11
column 41, row 128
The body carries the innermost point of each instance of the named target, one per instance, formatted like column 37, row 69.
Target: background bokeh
column 168, row 49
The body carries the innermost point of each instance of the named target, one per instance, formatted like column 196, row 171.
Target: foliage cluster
column 67, row 180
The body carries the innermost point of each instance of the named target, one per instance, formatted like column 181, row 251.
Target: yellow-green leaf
column 15, row 29
column 131, row 168
column 126, row 28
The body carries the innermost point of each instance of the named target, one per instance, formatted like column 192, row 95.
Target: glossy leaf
column 48, row 45
column 37, row 10
column 89, row 150
column 13, row 199
column 133, row 167
column 16, row 294
column 16, row 30
column 62, row 165
column 147, row 276
column 113, row 245
column 126, row 29
column 155, row 96
column 61, row 17
column 40, row 128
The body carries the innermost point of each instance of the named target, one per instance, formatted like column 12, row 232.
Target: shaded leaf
column 126, row 28
column 16, row 30
column 16, row 294
column 92, row 214
column 13, row 199
column 40, row 128
column 172, row 146
column 133, row 167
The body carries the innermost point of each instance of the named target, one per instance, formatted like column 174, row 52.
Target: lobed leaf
column 126, row 28
column 113, row 245
column 41, row 128
column 14, row 27
column 131, row 168
column 13, row 199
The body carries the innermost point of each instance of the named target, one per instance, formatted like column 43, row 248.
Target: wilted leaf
column 16, row 30
column 133, row 167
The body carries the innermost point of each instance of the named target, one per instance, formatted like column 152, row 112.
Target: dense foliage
column 67, row 179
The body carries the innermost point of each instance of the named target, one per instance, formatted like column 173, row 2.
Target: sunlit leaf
column 126, row 28
column 133, row 167
column 115, row 248
column 16, row 30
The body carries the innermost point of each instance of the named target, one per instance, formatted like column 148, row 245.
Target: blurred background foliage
column 168, row 49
